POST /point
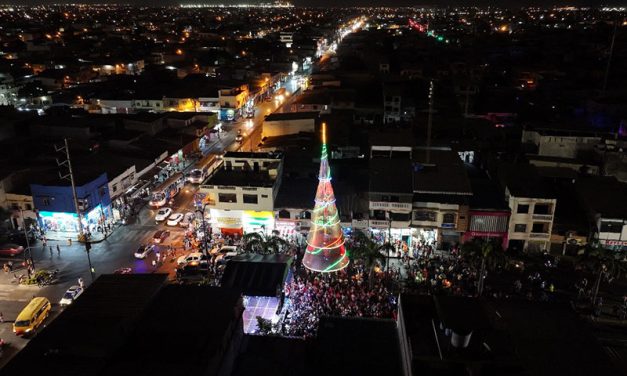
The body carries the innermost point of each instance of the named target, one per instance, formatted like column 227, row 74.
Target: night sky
column 348, row 3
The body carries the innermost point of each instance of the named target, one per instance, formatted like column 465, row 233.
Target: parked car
column 70, row 295
column 162, row 214
column 192, row 257
column 143, row 251
column 187, row 219
column 160, row 236
column 191, row 272
column 123, row 271
column 174, row 219
column 11, row 250
column 225, row 253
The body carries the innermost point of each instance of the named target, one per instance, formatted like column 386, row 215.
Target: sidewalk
column 63, row 236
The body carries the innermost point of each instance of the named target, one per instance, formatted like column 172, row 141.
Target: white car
column 143, row 251
column 174, row 219
column 226, row 253
column 162, row 214
column 194, row 256
column 70, row 295
column 187, row 219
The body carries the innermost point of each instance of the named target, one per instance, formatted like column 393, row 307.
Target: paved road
column 117, row 250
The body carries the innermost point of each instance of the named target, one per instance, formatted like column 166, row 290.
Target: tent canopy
column 257, row 275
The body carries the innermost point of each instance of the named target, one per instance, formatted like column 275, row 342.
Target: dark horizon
column 351, row 3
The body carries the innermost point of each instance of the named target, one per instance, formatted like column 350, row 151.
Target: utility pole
column 609, row 59
column 70, row 176
column 429, row 122
column 27, row 241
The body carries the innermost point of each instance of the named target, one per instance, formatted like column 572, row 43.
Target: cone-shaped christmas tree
column 325, row 241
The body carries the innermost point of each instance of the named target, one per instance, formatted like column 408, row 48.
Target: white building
column 289, row 123
column 241, row 194
column 532, row 208
column 605, row 201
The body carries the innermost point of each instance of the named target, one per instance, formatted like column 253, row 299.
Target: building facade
column 241, row 194
column 56, row 210
column 531, row 222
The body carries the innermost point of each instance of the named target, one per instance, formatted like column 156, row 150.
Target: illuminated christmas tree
column 325, row 242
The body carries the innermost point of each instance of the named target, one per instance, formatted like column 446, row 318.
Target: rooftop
column 390, row 175
column 603, row 195
column 240, row 178
column 523, row 180
column 291, row 116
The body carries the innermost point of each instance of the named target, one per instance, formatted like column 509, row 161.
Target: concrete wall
column 287, row 127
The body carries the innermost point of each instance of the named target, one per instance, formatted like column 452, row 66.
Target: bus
column 165, row 191
column 204, row 168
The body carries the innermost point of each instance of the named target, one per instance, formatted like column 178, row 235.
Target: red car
column 161, row 235
column 11, row 250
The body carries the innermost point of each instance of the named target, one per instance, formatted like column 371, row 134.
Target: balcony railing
column 401, row 224
column 392, row 206
column 538, row 235
column 542, row 217
column 376, row 223
column 360, row 223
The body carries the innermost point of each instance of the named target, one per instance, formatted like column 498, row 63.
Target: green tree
column 255, row 242
column 370, row 253
column 485, row 255
column 264, row 326
column 606, row 265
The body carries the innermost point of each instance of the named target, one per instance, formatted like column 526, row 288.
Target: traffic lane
column 12, row 307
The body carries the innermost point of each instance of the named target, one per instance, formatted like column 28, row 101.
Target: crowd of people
column 345, row 293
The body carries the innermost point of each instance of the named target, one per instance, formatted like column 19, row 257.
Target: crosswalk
column 13, row 293
column 145, row 234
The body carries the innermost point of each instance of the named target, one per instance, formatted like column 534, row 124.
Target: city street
column 116, row 251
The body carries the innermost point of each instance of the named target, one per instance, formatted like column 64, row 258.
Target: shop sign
column 614, row 242
column 229, row 222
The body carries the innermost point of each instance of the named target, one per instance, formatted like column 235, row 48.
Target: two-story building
column 241, row 194
column 390, row 198
column 54, row 203
column 488, row 215
column 605, row 201
column 532, row 206
column 441, row 194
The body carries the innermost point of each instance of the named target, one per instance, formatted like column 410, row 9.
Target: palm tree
column 486, row 255
column 370, row 253
column 256, row 242
column 606, row 265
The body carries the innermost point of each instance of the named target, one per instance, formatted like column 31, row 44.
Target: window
column 15, row 206
column 251, row 199
column 45, row 201
column 609, row 226
column 102, row 191
column 264, row 196
column 305, row 215
column 284, row 214
column 520, row 228
column 425, row 216
column 544, row 209
column 115, row 188
column 227, row 197
column 29, row 207
column 539, row 228
column 522, row 209
column 448, row 218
